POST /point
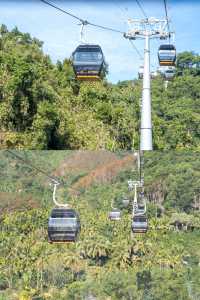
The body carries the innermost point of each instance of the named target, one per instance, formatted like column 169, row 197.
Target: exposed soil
column 103, row 173
column 83, row 162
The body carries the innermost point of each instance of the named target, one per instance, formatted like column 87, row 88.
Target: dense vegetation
column 42, row 106
column 107, row 262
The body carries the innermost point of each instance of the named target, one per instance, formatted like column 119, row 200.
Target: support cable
column 55, row 181
column 141, row 8
column 138, row 52
column 167, row 18
column 123, row 11
column 136, row 49
column 27, row 162
column 84, row 22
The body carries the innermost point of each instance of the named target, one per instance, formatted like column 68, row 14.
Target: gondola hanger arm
column 82, row 39
column 135, row 200
column 112, row 202
column 56, row 183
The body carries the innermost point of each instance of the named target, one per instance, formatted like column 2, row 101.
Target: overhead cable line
column 136, row 49
column 133, row 45
column 153, row 65
column 167, row 18
column 123, row 11
column 138, row 52
column 53, row 179
column 63, row 11
column 141, row 8
column 84, row 22
column 27, row 162
column 105, row 28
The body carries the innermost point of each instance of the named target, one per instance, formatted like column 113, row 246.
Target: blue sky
column 60, row 32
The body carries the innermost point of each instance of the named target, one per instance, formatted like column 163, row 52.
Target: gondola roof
column 167, row 47
column 88, row 47
column 140, row 218
column 63, row 213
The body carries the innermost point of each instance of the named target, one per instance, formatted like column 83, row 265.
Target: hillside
column 43, row 107
column 107, row 262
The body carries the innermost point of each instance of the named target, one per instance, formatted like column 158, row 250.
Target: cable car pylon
column 147, row 29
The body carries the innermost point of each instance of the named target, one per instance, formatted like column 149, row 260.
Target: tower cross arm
column 152, row 27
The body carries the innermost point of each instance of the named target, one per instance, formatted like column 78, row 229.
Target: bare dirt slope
column 103, row 173
column 98, row 166
column 84, row 161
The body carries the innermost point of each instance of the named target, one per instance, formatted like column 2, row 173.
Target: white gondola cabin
column 167, row 55
column 115, row 215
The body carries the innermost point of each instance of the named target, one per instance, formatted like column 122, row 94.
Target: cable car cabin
column 88, row 62
column 139, row 224
column 64, row 225
column 167, row 55
column 115, row 215
column 141, row 209
column 154, row 74
column 169, row 73
column 125, row 202
column 141, row 72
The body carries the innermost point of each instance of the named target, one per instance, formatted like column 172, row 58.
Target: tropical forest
column 43, row 106
column 108, row 261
